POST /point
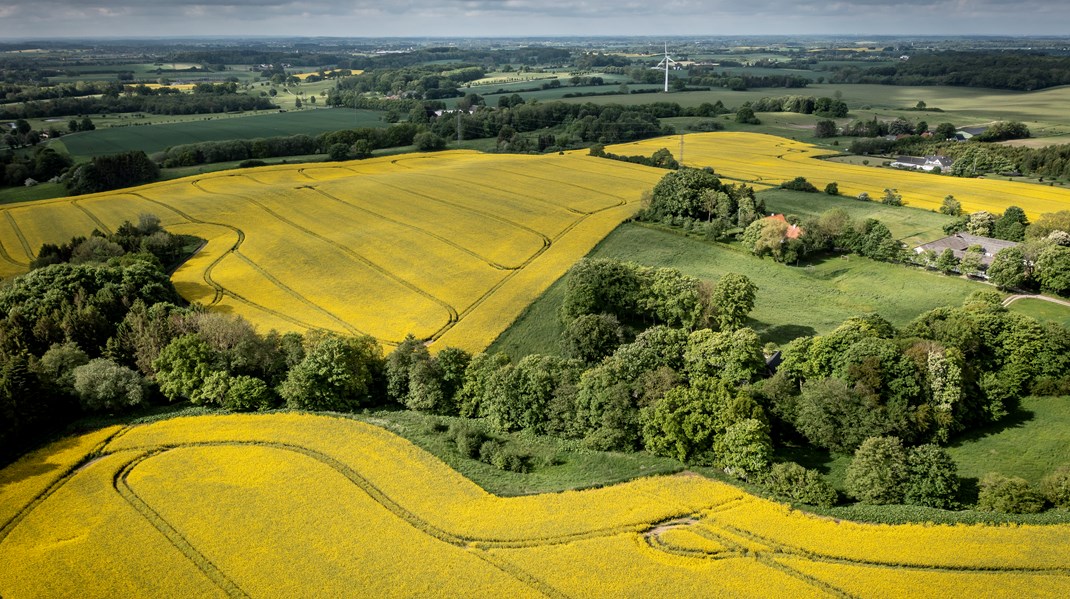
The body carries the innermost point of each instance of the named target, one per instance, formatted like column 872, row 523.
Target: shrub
column 1013, row 495
column 469, row 439
column 833, row 189
column 878, row 471
column 511, row 460
column 251, row 163
column 744, row 450
column 104, row 385
column 799, row 184
column 795, row 483
column 1056, row 487
column 932, row 477
column 246, row 393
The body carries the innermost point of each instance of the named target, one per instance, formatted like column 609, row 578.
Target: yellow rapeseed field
column 449, row 246
column 305, row 505
column 767, row 159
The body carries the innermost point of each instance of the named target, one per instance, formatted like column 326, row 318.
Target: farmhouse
column 793, row 231
column 927, row 163
column 959, row 242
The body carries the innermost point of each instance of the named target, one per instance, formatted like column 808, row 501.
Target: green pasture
column 42, row 191
column 1029, row 443
column 1043, row 111
column 1043, row 310
column 913, row 226
column 156, row 138
column 793, row 301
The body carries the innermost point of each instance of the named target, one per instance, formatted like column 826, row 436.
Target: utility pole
column 681, row 149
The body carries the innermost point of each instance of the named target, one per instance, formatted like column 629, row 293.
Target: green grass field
column 156, row 138
column 1043, row 310
column 43, row 191
column 913, row 226
column 1029, row 443
column 792, row 301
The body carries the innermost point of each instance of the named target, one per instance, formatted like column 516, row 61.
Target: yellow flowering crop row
column 963, row 546
column 288, row 504
column 453, row 243
column 772, row 160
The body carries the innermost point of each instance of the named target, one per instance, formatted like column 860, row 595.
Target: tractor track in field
column 545, row 202
column 489, row 215
column 22, row 237
column 219, row 290
column 450, row 310
column 412, row 227
column 620, row 201
column 422, row 231
column 703, row 522
column 77, row 203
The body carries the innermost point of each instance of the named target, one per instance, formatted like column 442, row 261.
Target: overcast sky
column 438, row 18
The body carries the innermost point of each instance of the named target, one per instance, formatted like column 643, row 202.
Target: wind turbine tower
column 667, row 62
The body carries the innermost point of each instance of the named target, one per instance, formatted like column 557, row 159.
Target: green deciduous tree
column 951, row 206
column 732, row 300
column 1008, row 494
column 932, row 477
column 1008, row 269
column 795, row 483
column 104, row 385
column 591, row 337
column 1052, row 269
column 337, row 374
column 745, row 450
column 183, row 366
column 878, row 471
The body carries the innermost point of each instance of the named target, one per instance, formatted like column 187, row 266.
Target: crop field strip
column 203, row 494
column 432, row 237
column 770, row 160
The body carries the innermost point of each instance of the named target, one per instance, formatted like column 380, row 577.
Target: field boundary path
column 1019, row 296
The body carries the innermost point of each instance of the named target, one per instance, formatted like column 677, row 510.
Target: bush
column 251, row 163
column 104, row 385
column 469, row 439
column 1012, row 495
column 428, row 142
column 246, row 393
column 878, row 471
column 799, row 184
column 833, row 189
column 511, row 460
column 797, row 484
column 932, row 477
column 744, row 450
column 1056, row 487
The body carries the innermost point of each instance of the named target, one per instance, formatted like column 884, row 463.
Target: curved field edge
column 442, row 288
column 764, row 159
column 547, row 542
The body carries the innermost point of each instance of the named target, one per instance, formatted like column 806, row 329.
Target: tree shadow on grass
column 813, row 458
column 1015, row 419
column 781, row 333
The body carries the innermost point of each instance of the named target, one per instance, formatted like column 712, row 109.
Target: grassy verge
column 558, row 464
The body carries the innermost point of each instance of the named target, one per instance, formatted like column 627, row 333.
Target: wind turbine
column 667, row 62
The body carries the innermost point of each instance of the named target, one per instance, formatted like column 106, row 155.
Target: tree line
column 1022, row 71
column 155, row 103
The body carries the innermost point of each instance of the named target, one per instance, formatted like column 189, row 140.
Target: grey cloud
column 531, row 17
